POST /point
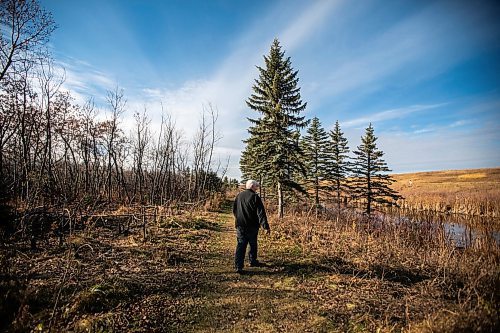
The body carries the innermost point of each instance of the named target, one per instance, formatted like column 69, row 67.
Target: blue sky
column 425, row 73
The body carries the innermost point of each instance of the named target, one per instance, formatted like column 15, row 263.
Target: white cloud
column 464, row 143
column 389, row 114
column 424, row 130
column 84, row 81
column 308, row 22
column 230, row 85
column 460, row 123
column 411, row 41
column 441, row 150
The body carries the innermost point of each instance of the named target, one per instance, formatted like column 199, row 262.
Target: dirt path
column 266, row 299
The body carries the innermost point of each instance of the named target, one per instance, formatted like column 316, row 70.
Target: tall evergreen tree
column 338, row 165
column 276, row 97
column 371, row 181
column 314, row 144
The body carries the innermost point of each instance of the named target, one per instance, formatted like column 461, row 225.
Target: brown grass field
column 325, row 272
column 471, row 192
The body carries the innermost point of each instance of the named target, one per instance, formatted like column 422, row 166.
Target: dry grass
column 102, row 280
column 397, row 278
column 471, row 192
column 324, row 275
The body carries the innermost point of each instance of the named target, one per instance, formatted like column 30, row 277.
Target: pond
column 460, row 230
column 463, row 235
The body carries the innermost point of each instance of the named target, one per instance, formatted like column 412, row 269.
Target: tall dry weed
column 407, row 253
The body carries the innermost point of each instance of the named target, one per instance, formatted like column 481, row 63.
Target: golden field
column 469, row 191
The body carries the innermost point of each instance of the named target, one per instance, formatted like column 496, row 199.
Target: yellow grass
column 473, row 192
column 394, row 272
column 473, row 175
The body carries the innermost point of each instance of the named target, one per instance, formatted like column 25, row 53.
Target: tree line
column 55, row 152
column 315, row 165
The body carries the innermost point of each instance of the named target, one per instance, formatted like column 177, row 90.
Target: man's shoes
column 240, row 271
column 257, row 264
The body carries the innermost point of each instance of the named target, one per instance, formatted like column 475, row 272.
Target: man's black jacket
column 249, row 211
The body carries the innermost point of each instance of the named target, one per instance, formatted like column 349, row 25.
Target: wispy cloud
column 415, row 48
column 417, row 42
column 459, row 123
column 309, row 21
column 443, row 149
column 456, row 125
column 226, row 89
column 230, row 85
column 390, row 114
column 424, row 130
column 84, row 80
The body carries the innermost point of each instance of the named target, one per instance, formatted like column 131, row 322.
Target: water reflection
column 462, row 235
column 461, row 230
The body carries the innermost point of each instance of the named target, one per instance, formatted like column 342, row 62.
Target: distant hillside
column 470, row 187
column 454, row 181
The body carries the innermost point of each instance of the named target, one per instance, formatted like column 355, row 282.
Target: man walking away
column 250, row 214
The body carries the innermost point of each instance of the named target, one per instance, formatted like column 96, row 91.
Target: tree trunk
column 280, row 201
column 316, row 189
column 261, row 189
column 369, row 196
column 368, row 205
column 338, row 196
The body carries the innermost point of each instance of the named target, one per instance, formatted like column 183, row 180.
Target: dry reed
column 454, row 287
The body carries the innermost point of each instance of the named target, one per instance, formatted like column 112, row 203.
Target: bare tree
column 86, row 136
column 140, row 142
column 25, row 28
column 26, row 119
column 203, row 146
column 50, row 82
column 67, row 124
column 8, row 123
column 117, row 104
column 163, row 165
column 214, row 138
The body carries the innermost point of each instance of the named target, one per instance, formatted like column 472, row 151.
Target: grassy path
column 265, row 299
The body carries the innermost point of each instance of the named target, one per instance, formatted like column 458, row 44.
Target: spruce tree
column 276, row 97
column 314, row 145
column 371, row 181
column 337, row 163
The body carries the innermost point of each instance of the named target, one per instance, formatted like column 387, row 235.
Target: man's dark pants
column 243, row 238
